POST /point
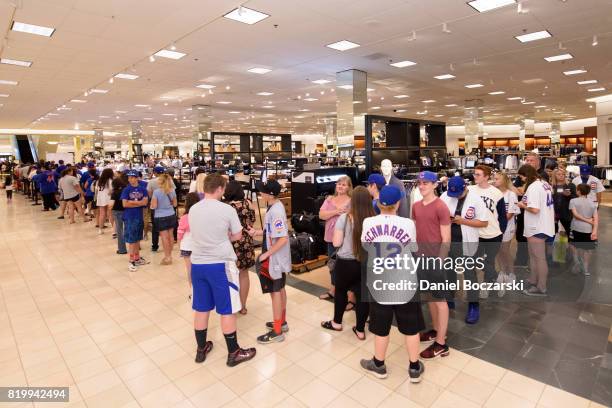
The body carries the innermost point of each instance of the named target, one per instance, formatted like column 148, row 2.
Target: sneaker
column 121, row 253
column 484, row 294
column 202, row 352
column 141, row 261
column 434, row 350
column 132, row 267
column 473, row 314
column 271, row 337
column 61, row 217
column 100, row 232
column 284, row 326
column 501, row 278
column 114, row 235
column 415, row 374
column 153, row 249
column 240, row 356
column 534, row 291
column 428, row 336
column 370, row 367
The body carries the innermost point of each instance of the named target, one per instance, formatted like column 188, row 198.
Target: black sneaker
column 415, row 374
column 428, row 336
column 153, row 249
column 201, row 353
column 284, row 326
column 370, row 367
column 240, row 356
column 61, row 217
column 271, row 337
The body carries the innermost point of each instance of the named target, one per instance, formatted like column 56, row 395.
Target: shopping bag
column 560, row 248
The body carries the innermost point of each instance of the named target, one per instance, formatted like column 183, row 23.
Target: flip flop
column 329, row 326
column 350, row 306
column 357, row 335
column 243, row 311
column 326, row 296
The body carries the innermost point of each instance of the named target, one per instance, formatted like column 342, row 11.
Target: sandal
column 329, row 326
column 327, row 296
column 243, row 311
column 357, row 334
column 350, row 306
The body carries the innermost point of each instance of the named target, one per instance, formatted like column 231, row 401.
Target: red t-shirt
column 428, row 219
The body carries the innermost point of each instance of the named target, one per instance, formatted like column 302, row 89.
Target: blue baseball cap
column 159, row 170
column 133, row 173
column 390, row 194
column 456, row 186
column 91, row 165
column 377, row 179
column 585, row 169
column 428, row 176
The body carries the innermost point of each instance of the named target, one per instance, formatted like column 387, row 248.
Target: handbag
column 333, row 258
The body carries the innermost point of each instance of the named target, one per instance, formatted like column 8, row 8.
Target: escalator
column 25, row 149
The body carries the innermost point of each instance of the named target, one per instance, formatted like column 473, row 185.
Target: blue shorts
column 133, row 229
column 545, row 237
column 215, row 286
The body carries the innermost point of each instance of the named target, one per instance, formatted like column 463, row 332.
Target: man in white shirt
column 596, row 185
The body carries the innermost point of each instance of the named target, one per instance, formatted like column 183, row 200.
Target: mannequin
column 386, row 168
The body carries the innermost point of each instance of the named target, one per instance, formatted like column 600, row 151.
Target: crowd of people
column 215, row 231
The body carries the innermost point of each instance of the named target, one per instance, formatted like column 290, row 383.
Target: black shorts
column 409, row 318
column 92, row 201
column 269, row 285
column 73, row 199
column 435, row 275
column 165, row 223
column 582, row 240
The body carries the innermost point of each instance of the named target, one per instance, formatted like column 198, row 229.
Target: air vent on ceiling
column 376, row 56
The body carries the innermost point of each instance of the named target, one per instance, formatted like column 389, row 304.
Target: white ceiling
column 96, row 39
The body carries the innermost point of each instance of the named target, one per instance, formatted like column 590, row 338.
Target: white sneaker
column 132, row 267
column 100, row 231
column 484, row 294
column 502, row 278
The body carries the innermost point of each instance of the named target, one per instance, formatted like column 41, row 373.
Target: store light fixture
column 403, row 64
column 259, row 70
column 246, row 15
column 127, row 76
column 474, row 86
column 310, row 99
column 321, row 81
column 224, row 102
column 19, row 63
column 528, row 103
column 99, row 91
column 343, row 45
column 32, row 29
column 560, row 57
column 445, row 76
column 375, row 107
column 206, row 86
column 347, row 87
column 401, row 96
column 422, row 113
column 428, row 101
column 540, row 106
column 575, row 72
column 170, row 54
column 596, row 89
column 589, row 82
column 6, row 82
column 497, row 93
column 303, row 110
column 438, row 116
column 482, row 6
column 451, row 105
column 140, row 105
column 514, row 98
column 538, row 35
column 4, row 95
column 265, row 93
column 595, row 43
column 269, row 106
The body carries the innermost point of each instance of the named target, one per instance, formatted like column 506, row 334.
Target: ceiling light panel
column 514, row 98
column 259, row 70
column 140, row 105
column 401, row 96
column 5, row 82
column 310, row 99
column 175, row 55
column 445, row 76
column 265, row 93
column 99, row 91
column 428, row 101
column 538, row 35
column 403, row 64
column 321, row 82
column 497, row 93
column 126, row 76
column 224, row 102
column 8, row 61
column 575, row 72
column 589, row 82
column 474, row 86
column 4, row 95
column 246, row 15
column 451, row 105
column 32, row 29
column 596, row 89
column 560, row 57
column 78, row 101
column 206, row 86
column 343, row 45
column 483, row 6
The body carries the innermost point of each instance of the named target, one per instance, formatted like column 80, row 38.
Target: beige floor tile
column 369, row 392
column 449, row 399
column 167, row 354
column 270, row 364
column 316, row 394
column 341, row 376
column 265, row 394
column 295, row 350
column 456, row 359
column 244, row 380
column 135, row 368
column 289, row 402
column 292, row 378
column 117, row 396
column 179, row 367
column 99, row 383
column 439, row 373
column 484, row 371
column 125, row 355
column 214, row 396
column 144, row 384
column 505, row 399
column 344, row 401
column 522, row 386
column 317, row 363
column 236, row 403
column 423, row 393
column 555, row 398
column 90, row 369
column 396, row 400
column 156, row 343
column 165, row 396
column 471, row 388
column 195, row 381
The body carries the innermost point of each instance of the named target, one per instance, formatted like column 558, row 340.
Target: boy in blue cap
column 375, row 183
column 593, row 182
column 135, row 198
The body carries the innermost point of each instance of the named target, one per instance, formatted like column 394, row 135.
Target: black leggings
column 49, row 201
column 348, row 277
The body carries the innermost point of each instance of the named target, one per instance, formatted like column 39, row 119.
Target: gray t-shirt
column 585, row 208
column 152, row 185
column 164, row 203
column 346, row 249
column 210, row 222
column 68, row 186
column 275, row 224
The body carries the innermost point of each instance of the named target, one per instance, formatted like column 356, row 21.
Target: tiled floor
column 71, row 314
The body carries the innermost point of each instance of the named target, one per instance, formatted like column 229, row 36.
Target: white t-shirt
column 490, row 197
column 539, row 195
column 275, row 226
column 68, row 186
column 390, row 228
column 192, row 186
column 210, row 222
column 511, row 200
column 595, row 184
column 473, row 209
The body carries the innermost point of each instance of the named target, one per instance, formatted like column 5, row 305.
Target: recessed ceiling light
column 15, row 62
column 590, row 81
column 428, row 101
column 269, row 106
column 63, row 108
column 575, row 72
column 438, row 116
column 234, row 112
column 497, row 93
column 474, row 86
column 78, row 101
column 206, row 86
column 175, row 55
column 445, row 76
column 265, row 93
column 343, row 45
column 486, row 5
column 310, row 99
column 514, row 98
column 401, row 96
column 528, row 103
column 224, row 102
column 596, row 89
column 422, row 113
column 451, row 105
column 141, row 105
column 258, row 70
column 168, row 114
column 120, row 111
column 99, row 91
column 32, row 29
column 303, row 110
column 347, row 87
column 126, row 76
column 375, row 107
column 403, row 64
column 538, row 35
column 561, row 57
column 4, row 95
column 321, row 81
column 246, row 15
column 540, row 106
column 104, row 117
column 5, row 82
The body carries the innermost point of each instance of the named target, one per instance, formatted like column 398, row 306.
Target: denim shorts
column 133, row 229
column 165, row 223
